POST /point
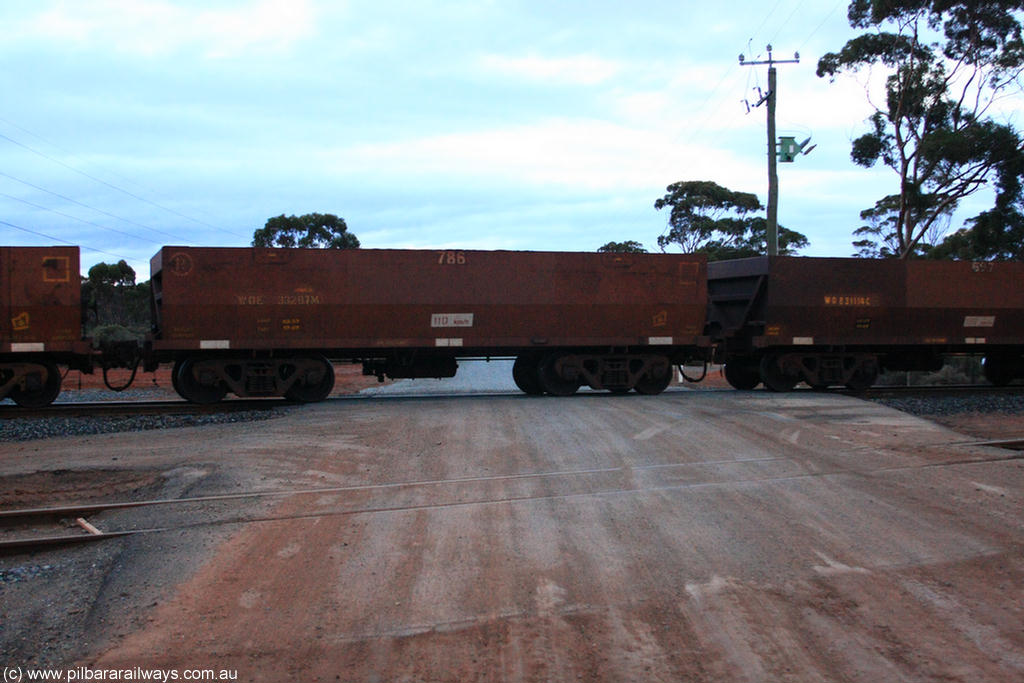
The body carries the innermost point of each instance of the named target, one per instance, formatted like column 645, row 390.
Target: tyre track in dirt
column 732, row 537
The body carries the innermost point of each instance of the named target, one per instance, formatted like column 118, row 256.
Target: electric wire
column 176, row 238
column 786, row 21
column 702, row 125
column 80, row 220
column 764, row 21
column 115, row 187
column 62, row 241
column 822, row 23
column 108, row 171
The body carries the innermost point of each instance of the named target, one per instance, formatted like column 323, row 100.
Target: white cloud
column 574, row 154
column 158, row 27
column 577, row 69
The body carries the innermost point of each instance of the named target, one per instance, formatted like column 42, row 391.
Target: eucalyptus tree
column 627, row 247
column 311, row 230
column 949, row 68
column 708, row 218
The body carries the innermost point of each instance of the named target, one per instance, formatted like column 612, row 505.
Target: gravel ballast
column 30, row 428
column 27, row 429
column 926, row 406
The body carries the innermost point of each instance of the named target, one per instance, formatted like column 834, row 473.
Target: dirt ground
column 692, row 536
column 985, row 425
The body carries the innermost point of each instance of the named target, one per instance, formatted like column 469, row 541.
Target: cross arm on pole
column 773, row 176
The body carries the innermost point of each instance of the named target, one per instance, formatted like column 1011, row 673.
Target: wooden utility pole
column 773, row 175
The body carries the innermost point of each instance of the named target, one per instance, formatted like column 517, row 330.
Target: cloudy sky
column 129, row 124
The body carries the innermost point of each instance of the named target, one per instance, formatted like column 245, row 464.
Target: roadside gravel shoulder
column 995, row 416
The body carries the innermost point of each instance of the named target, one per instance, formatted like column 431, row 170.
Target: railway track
column 33, row 529
column 937, row 390
column 131, row 408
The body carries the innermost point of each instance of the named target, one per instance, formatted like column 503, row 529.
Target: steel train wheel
column 174, row 378
column 740, row 375
column 39, row 391
column 194, row 386
column 525, row 373
column 655, row 381
column 774, row 377
column 550, row 379
column 314, row 386
column 999, row 369
column 863, row 377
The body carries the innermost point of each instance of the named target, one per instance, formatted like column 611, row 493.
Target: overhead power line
column 699, row 130
column 115, row 187
column 91, row 208
column 76, row 218
column 822, row 23
column 62, row 241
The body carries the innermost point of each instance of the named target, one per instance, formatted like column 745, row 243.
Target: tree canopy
column 947, row 63
column 112, row 274
column 116, row 301
column 708, row 218
column 627, row 247
column 312, row 230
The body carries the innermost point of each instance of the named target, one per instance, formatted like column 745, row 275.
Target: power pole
column 773, row 175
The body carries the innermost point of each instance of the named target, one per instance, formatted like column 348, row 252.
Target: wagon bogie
column 742, row 372
column 562, row 373
column 30, row 384
column 199, row 381
column 655, row 376
column 525, row 371
column 302, row 378
column 779, row 372
column 1004, row 366
column 782, row 371
column 310, row 378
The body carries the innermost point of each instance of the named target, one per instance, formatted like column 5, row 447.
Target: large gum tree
column 949, row 70
column 706, row 218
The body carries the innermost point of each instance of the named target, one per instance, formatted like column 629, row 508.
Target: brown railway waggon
column 40, row 322
column 834, row 321
column 264, row 322
column 268, row 322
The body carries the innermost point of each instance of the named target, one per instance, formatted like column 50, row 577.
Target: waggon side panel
column 832, row 301
column 366, row 299
column 968, row 302
column 40, row 299
column 875, row 302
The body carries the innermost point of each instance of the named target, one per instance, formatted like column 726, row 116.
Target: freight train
column 269, row 322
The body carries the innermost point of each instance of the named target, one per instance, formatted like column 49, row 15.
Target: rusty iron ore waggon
column 265, row 322
column 269, row 322
column 834, row 321
column 40, row 322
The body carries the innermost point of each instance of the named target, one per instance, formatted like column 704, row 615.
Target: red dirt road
column 719, row 536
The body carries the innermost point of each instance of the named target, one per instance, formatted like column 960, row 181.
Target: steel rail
column 115, row 408
column 9, row 516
